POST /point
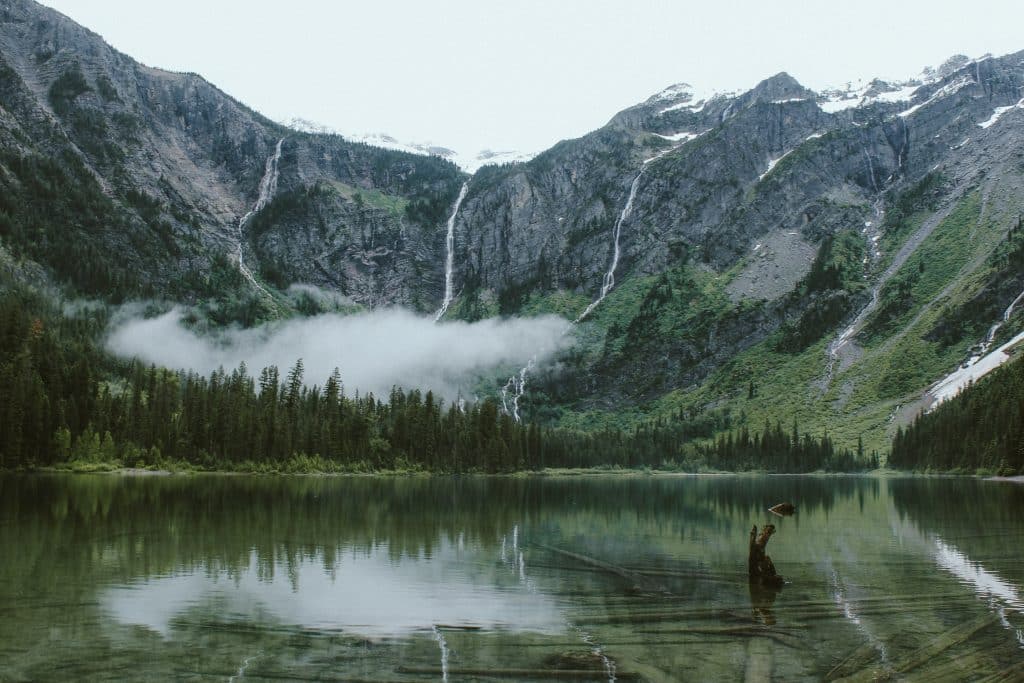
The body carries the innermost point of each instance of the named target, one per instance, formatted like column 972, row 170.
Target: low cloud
column 374, row 350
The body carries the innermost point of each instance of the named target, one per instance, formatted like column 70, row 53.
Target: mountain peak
column 780, row 88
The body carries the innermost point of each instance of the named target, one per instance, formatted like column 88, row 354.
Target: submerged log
column 1014, row 672
column 951, row 638
column 760, row 567
column 638, row 583
column 520, row 674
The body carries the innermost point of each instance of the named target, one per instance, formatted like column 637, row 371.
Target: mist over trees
column 66, row 403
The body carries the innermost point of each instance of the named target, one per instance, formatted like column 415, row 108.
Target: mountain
column 774, row 254
column 167, row 166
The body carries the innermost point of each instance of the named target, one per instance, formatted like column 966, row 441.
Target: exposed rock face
column 749, row 184
column 198, row 156
column 768, row 160
column 776, row 167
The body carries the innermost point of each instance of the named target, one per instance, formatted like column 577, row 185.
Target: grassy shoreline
column 117, row 469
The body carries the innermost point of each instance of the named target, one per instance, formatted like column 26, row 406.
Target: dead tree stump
column 759, row 566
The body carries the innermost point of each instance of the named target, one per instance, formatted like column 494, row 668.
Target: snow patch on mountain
column 833, row 101
column 685, row 136
column 944, row 91
column 998, row 113
column 774, row 162
column 469, row 163
column 685, row 96
column 952, row 384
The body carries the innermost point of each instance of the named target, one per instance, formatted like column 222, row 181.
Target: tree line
column 65, row 401
column 982, row 428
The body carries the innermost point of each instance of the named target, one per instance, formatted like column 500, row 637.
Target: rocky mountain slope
column 173, row 165
column 774, row 254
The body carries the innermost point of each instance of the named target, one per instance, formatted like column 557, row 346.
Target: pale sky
column 475, row 74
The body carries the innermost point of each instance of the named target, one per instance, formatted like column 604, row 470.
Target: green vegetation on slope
column 53, row 211
column 788, row 375
column 66, row 404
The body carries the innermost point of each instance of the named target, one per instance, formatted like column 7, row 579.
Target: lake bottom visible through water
column 248, row 578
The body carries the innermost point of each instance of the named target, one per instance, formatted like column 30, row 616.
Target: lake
column 235, row 578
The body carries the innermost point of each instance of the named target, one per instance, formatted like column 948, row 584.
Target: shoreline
column 552, row 472
column 1016, row 479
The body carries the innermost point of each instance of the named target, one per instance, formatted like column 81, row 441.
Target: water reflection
column 1001, row 593
column 762, row 598
column 397, row 579
column 369, row 593
column 984, row 582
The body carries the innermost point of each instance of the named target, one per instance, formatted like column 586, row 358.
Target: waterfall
column 267, row 189
column 871, row 168
column 514, row 390
column 449, row 261
column 991, row 336
column 516, row 385
column 596, row 649
column 872, row 232
column 609, row 277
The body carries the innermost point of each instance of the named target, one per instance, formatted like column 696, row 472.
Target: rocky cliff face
column 721, row 174
column 777, row 225
column 181, row 162
column 746, row 186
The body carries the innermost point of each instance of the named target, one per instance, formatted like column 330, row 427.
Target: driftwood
column 760, row 567
column 639, row 583
column 571, row 674
column 779, row 636
column 856, row 661
column 929, row 651
column 964, row 667
column 1014, row 672
column 943, row 642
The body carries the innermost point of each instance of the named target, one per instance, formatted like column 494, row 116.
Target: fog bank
column 374, row 350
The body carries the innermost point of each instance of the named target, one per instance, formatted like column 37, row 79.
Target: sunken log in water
column 759, row 566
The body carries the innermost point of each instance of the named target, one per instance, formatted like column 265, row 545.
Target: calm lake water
column 598, row 578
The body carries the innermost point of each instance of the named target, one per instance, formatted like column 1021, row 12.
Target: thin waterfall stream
column 449, row 261
column 267, row 189
column 609, row 277
column 514, row 389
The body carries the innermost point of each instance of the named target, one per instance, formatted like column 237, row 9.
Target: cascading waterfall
column 609, row 277
column 514, row 389
column 267, row 189
column 991, row 336
column 872, row 235
column 449, row 259
column 609, row 665
column 871, row 169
